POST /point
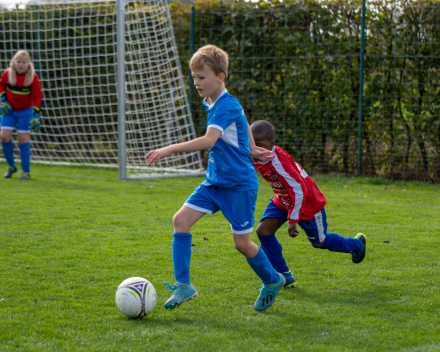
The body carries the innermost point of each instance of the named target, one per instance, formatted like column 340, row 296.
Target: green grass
column 69, row 236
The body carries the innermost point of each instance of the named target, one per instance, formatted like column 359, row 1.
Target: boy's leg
column 258, row 261
column 316, row 231
column 239, row 208
column 183, row 220
column 272, row 219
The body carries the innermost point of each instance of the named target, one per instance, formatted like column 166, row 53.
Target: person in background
column 20, row 103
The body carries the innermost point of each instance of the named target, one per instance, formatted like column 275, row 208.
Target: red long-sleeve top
column 19, row 96
column 295, row 191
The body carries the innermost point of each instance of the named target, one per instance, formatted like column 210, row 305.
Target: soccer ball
column 135, row 297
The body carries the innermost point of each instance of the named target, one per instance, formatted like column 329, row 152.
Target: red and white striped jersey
column 295, row 191
column 19, row 96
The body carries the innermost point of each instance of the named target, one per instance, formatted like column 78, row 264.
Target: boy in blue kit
column 230, row 183
column 297, row 200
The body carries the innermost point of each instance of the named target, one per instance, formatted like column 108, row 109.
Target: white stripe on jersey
column 292, row 183
column 230, row 135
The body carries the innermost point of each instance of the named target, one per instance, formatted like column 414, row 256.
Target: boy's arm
column 294, row 183
column 258, row 153
column 201, row 143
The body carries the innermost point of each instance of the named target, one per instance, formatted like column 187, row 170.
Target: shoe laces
column 174, row 288
column 264, row 292
column 170, row 287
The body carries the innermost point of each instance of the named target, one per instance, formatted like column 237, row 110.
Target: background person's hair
column 29, row 73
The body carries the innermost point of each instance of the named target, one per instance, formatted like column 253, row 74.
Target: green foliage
column 296, row 64
column 69, row 236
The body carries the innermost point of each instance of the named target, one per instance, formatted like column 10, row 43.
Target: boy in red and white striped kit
column 297, row 200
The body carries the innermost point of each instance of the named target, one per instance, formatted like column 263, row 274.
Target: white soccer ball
column 135, row 297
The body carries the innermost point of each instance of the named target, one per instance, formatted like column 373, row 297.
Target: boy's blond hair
column 212, row 56
column 29, row 73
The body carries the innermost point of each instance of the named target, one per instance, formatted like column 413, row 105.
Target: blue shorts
column 237, row 207
column 19, row 119
column 316, row 229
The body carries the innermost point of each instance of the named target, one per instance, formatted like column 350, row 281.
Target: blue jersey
column 229, row 162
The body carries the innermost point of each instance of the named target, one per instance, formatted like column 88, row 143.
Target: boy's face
column 21, row 64
column 207, row 83
column 263, row 142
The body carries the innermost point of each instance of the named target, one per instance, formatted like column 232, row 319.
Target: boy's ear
column 222, row 77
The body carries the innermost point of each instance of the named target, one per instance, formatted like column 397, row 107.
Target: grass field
column 69, row 236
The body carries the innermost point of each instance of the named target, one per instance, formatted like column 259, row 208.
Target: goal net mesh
column 73, row 45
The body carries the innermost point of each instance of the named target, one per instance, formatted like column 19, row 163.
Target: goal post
column 112, row 84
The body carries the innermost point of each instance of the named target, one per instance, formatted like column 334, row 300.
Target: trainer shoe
column 182, row 293
column 268, row 293
column 9, row 171
column 359, row 256
column 25, row 176
column 290, row 280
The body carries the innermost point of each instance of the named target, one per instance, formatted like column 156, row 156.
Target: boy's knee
column 241, row 247
column 262, row 230
column 178, row 220
column 246, row 248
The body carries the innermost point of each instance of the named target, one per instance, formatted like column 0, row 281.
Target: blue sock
column 181, row 256
column 25, row 156
column 336, row 243
column 262, row 267
column 274, row 252
column 8, row 152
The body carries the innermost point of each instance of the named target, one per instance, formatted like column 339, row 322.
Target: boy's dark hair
column 264, row 129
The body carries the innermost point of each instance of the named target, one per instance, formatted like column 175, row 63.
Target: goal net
column 74, row 48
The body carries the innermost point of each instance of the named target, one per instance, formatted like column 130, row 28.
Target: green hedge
column 296, row 64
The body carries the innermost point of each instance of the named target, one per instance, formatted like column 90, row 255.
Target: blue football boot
column 359, row 256
column 25, row 176
column 268, row 293
column 182, row 293
column 290, row 280
column 9, row 171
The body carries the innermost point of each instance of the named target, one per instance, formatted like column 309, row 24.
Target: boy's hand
column 155, row 155
column 261, row 154
column 291, row 229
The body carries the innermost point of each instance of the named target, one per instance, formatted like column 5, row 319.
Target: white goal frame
column 154, row 111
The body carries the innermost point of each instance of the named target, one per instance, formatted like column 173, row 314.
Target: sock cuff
column 23, row 145
column 182, row 236
column 258, row 258
column 8, row 144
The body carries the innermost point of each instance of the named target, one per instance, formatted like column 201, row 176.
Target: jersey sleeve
column 294, row 184
column 224, row 116
column 36, row 92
